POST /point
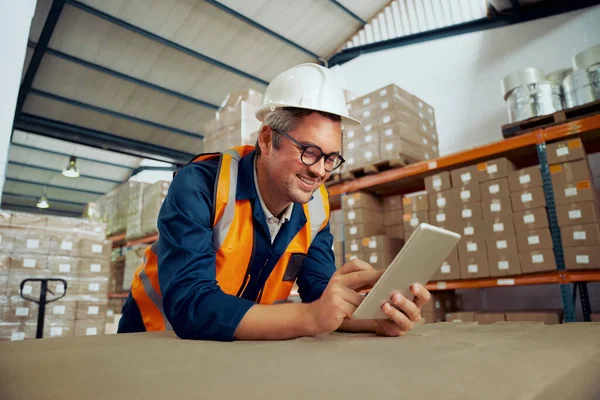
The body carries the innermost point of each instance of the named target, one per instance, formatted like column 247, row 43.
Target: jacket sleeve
column 318, row 267
column 193, row 302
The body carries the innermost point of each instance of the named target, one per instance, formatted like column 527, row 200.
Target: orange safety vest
column 233, row 236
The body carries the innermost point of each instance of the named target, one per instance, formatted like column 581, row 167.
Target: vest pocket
column 293, row 267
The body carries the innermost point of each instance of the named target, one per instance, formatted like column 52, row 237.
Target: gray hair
column 286, row 120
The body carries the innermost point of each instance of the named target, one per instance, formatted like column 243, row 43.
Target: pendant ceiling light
column 71, row 171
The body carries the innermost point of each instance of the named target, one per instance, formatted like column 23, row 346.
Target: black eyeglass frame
column 304, row 147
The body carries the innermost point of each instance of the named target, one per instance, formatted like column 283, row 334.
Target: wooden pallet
column 521, row 127
column 374, row 168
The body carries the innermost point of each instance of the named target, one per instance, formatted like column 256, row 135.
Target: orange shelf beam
column 118, row 295
column 581, row 276
column 117, row 240
column 575, row 127
column 533, row 279
column 144, row 240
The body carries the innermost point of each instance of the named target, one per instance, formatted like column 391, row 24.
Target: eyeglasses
column 312, row 154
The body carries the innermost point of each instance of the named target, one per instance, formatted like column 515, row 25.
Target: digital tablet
column 421, row 256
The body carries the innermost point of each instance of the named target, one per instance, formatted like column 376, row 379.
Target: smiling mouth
column 307, row 181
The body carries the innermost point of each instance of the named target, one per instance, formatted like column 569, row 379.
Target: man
column 238, row 229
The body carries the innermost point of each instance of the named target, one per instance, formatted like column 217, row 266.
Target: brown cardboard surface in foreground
column 467, row 361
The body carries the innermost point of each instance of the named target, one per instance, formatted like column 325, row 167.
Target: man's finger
column 397, row 317
column 421, row 294
column 409, row 308
column 355, row 265
column 352, row 296
column 360, row 279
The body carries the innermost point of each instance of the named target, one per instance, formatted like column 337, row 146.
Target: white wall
column 460, row 76
column 15, row 20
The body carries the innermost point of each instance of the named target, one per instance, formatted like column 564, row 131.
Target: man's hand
column 405, row 314
column 341, row 298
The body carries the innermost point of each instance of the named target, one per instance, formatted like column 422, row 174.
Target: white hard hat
column 308, row 86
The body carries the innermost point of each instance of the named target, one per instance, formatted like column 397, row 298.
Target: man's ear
column 265, row 139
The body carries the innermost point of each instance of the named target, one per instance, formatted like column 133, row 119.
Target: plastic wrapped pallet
column 154, row 195
column 115, row 279
column 133, row 259
column 118, row 211
column 134, row 212
column 234, row 124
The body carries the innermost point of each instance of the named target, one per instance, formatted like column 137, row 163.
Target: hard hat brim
column 263, row 111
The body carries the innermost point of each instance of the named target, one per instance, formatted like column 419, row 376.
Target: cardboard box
column 470, row 229
column 474, row 266
column 381, row 243
column 338, row 247
column 443, row 218
column 19, row 310
column 463, row 316
column 465, row 176
column 7, row 241
column 352, row 256
column 91, row 327
column 535, row 239
column 413, row 220
column 537, row 261
column 5, row 219
column 567, row 150
column 90, row 267
column 58, row 327
column 470, row 212
column 392, row 203
column 402, row 149
column 362, row 230
column 15, row 331
column 28, row 221
column 62, row 309
column 32, row 242
column 93, row 248
column 361, row 200
column 575, row 192
column 573, row 171
column 467, row 194
column 395, row 231
column 494, row 169
column 502, row 244
column 28, row 264
column 577, row 213
column 93, row 288
column 61, row 266
column 439, row 182
column 486, row 318
column 494, row 189
column 595, row 317
column 441, row 200
column 90, row 310
column 353, row 245
column 62, row 244
column 505, row 264
column 528, row 199
column 525, row 178
column 393, row 217
column 449, row 270
column 547, row 317
column 363, row 216
column 498, row 227
column 580, row 235
column 469, row 246
column 584, row 257
column 536, row 218
column 439, row 305
column 380, row 259
column 495, row 208
column 415, row 202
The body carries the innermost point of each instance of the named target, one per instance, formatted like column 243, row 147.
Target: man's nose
column 318, row 168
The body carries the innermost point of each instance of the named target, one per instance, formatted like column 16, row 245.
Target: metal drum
column 521, row 77
column 587, row 58
column 534, row 100
column 582, row 86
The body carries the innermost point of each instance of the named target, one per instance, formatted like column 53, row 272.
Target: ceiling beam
column 28, row 197
column 349, row 12
column 58, row 171
column 126, row 77
column 115, row 114
column 35, row 210
column 261, row 27
column 534, row 11
column 164, row 41
column 24, row 181
column 58, row 153
column 38, row 54
column 102, row 140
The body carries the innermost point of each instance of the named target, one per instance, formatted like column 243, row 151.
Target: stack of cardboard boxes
column 336, row 227
column 134, row 256
column 134, row 206
column 34, row 246
column 484, row 318
column 154, row 196
column 234, row 124
column 395, row 125
column 576, row 204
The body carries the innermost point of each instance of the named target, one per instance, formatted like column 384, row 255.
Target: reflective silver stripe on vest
column 316, row 211
column 152, row 295
column 222, row 227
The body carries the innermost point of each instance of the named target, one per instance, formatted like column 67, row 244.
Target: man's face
column 295, row 181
